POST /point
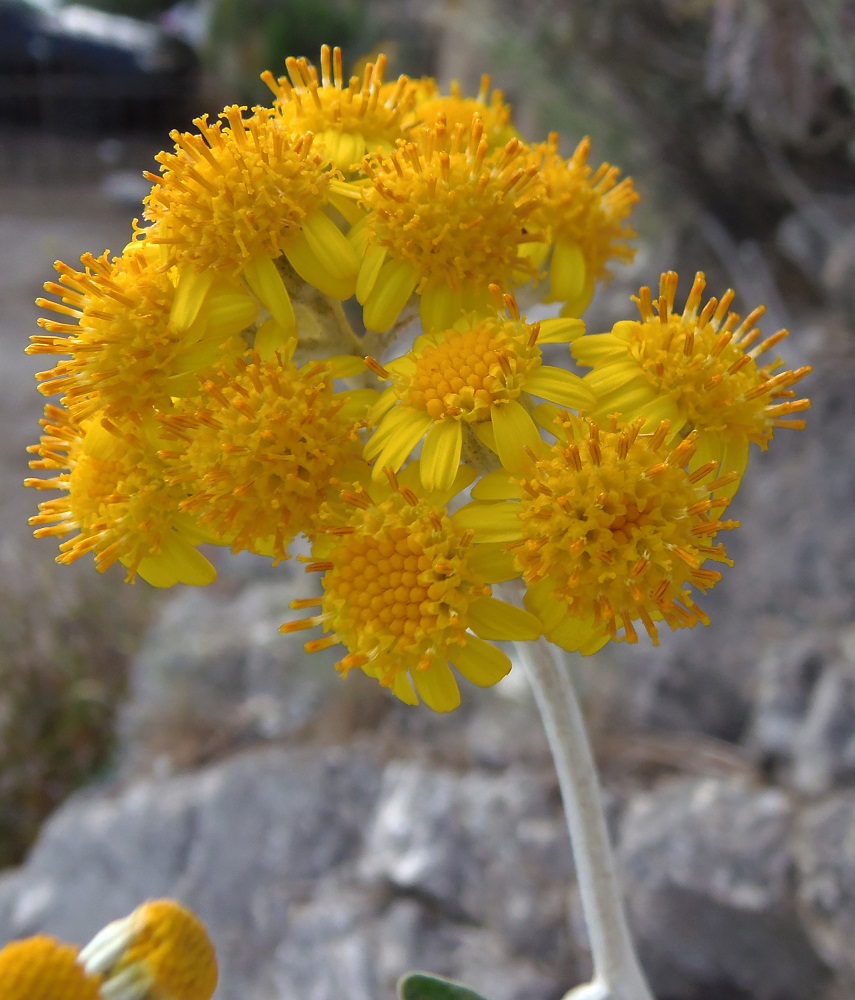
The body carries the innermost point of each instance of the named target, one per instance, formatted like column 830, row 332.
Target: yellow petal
column 265, row 280
column 437, row 687
column 399, row 446
column 481, row 663
column 496, row 485
column 321, row 254
column 494, row 619
column 560, row 386
column 539, row 600
column 400, row 422
column 391, row 292
column 574, row 634
column 567, row 271
column 373, row 259
column 560, row 330
column 491, row 522
column 596, row 348
column 192, row 288
column 515, row 433
column 402, row 689
column 441, row 454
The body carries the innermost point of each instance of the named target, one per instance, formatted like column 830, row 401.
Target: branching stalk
column 617, row 972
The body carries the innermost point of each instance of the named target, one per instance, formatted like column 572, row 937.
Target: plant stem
column 617, row 972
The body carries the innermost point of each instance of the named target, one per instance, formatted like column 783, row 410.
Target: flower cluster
column 231, row 378
column 160, row 952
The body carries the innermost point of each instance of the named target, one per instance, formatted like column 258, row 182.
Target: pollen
column 350, row 117
column 616, row 530
column 42, row 968
column 240, row 189
column 268, row 445
column 447, row 216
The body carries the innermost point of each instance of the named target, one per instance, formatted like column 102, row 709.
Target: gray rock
column 708, row 877
column 824, row 749
column 824, row 847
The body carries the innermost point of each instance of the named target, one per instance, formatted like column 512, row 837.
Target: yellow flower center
column 350, row 119
column 455, row 109
column 398, row 586
column 115, row 494
column 586, row 208
column 128, row 346
column 702, row 361
column 239, row 190
column 171, row 947
column 467, row 371
column 268, row 446
column 616, row 528
column 41, row 968
column 453, row 210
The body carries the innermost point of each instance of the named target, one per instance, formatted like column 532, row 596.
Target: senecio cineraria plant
column 320, row 330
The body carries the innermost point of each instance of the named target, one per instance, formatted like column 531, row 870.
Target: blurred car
column 72, row 65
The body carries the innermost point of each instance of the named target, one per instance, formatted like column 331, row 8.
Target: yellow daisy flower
column 137, row 335
column 407, row 594
column 239, row 195
column 586, row 212
column 475, row 374
column 349, row 118
column 115, row 496
column 698, row 369
column 160, row 952
column 609, row 529
column 455, row 109
column 267, row 446
column 446, row 217
column 42, row 968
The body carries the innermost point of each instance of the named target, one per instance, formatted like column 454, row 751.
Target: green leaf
column 421, row 986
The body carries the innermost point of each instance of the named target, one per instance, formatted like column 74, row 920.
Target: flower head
column 474, row 374
column 698, row 369
column 42, row 968
column 160, row 952
column 349, row 118
column 246, row 189
column 455, row 109
column 407, row 594
column 115, row 496
column 586, row 212
column 446, row 217
column 137, row 334
column 609, row 529
column 267, row 446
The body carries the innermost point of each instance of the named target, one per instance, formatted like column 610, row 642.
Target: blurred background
column 736, row 119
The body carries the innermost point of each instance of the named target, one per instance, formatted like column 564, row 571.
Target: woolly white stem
column 617, row 973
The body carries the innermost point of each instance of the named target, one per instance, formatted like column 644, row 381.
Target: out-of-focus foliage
column 62, row 673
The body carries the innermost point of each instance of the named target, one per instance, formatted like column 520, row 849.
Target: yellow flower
column 160, row 952
column 116, row 498
column 609, row 529
column 349, row 119
column 407, row 593
column 474, row 374
column 455, row 109
column 42, row 968
column 446, row 217
column 242, row 193
column 138, row 334
column 270, row 443
column 586, row 212
column 698, row 369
